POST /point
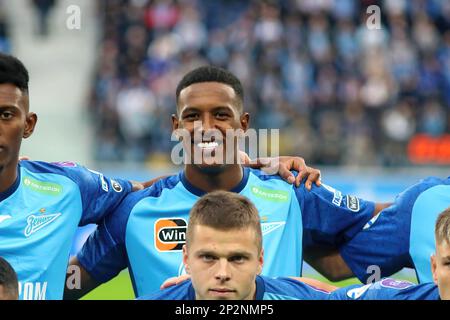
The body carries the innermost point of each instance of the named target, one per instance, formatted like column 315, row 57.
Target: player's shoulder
column 182, row 291
column 413, row 192
column 62, row 168
column 432, row 181
column 151, row 192
column 166, row 183
column 258, row 177
column 264, row 176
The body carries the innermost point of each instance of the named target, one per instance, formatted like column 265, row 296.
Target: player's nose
column 223, row 270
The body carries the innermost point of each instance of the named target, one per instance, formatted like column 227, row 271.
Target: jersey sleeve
column 331, row 217
column 104, row 255
column 381, row 248
column 387, row 289
column 182, row 291
column 99, row 194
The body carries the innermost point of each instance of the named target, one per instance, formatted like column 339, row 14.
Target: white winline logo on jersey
column 268, row 227
column 36, row 223
column 4, row 217
column 170, row 234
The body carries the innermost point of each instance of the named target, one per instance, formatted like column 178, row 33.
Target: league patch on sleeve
column 117, row 187
column 395, row 284
column 353, row 203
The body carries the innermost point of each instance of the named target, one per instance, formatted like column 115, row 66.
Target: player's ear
column 185, row 260
column 30, row 123
column 175, row 122
column 434, row 268
column 245, row 121
column 261, row 261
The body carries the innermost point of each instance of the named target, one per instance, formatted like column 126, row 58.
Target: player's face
column 206, row 111
column 15, row 123
column 223, row 264
column 441, row 269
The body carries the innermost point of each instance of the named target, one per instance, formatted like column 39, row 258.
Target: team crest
column 36, row 223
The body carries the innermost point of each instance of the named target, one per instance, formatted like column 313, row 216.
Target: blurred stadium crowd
column 340, row 93
column 5, row 44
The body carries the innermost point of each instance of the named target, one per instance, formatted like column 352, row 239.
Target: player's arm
column 316, row 284
column 382, row 248
column 329, row 219
column 103, row 255
column 81, row 286
column 379, row 206
column 328, row 262
column 387, row 289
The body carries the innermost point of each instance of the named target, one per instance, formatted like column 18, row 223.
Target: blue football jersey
column 147, row 232
column 266, row 289
column 39, row 215
column 401, row 235
column 387, row 289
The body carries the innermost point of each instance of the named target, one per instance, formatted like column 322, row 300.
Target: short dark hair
column 442, row 230
column 212, row 74
column 225, row 210
column 8, row 279
column 14, row 72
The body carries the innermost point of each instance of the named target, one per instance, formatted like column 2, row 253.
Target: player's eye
column 6, row 115
column 237, row 259
column 190, row 116
column 222, row 115
column 207, row 258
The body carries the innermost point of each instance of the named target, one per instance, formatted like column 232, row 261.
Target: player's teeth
column 207, row 144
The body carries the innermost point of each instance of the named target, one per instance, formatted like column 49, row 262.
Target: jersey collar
column 7, row 193
column 260, row 289
column 200, row 193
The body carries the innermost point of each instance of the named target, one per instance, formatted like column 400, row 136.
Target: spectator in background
column 43, row 9
column 5, row 45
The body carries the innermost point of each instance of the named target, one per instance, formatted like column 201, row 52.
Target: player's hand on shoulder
column 142, row 185
column 174, row 281
column 283, row 166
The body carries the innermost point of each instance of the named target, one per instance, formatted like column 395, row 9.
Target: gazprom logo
column 48, row 188
column 270, row 195
column 36, row 223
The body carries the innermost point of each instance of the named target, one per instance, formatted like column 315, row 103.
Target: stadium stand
column 342, row 94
